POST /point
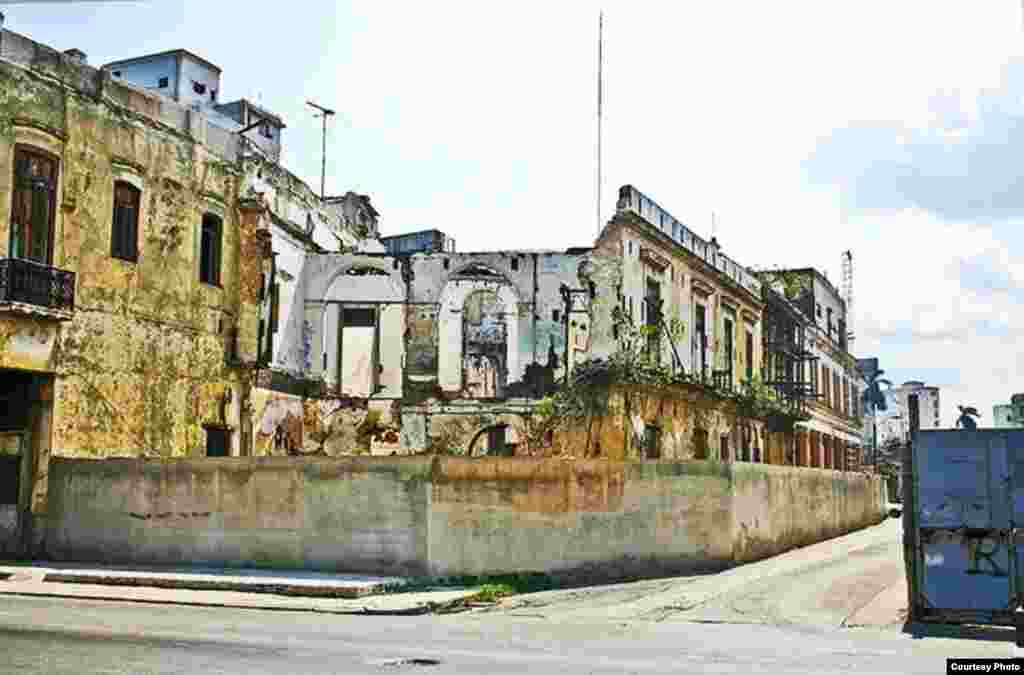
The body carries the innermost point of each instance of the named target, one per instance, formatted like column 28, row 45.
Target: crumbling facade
column 168, row 290
column 138, row 248
column 454, row 352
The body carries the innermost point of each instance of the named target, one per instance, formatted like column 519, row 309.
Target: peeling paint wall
column 450, row 516
column 442, row 327
column 479, row 331
column 676, row 415
column 152, row 355
column 141, row 365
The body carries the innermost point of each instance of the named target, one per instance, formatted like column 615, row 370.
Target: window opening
column 210, row 250
column 216, row 442
column 125, row 223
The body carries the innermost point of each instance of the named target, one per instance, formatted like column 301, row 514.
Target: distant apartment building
column 1009, row 415
column 423, row 241
column 894, row 421
column 194, row 82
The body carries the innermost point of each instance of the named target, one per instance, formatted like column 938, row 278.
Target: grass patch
column 492, row 592
column 491, row 587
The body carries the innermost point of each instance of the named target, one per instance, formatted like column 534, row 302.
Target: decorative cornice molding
column 654, row 258
column 27, row 123
column 701, row 287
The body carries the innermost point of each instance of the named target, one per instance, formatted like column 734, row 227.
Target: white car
column 894, row 509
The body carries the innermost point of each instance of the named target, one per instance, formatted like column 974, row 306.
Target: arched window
column 124, row 231
column 209, row 250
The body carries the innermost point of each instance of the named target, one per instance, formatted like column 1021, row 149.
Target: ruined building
column 439, row 351
column 167, row 289
column 148, row 246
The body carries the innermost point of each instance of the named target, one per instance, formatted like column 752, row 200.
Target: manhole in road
column 405, row 663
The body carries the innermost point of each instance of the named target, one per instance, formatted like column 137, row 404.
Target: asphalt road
column 761, row 618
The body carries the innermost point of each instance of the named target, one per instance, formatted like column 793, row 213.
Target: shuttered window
column 209, row 250
column 33, row 204
column 124, row 231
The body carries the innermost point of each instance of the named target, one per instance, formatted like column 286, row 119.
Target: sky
column 806, row 128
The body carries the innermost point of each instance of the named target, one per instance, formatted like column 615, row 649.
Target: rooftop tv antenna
column 324, row 113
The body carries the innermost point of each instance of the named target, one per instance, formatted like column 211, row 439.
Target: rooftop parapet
column 633, row 201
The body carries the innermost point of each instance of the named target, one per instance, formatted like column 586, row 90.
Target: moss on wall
column 141, row 366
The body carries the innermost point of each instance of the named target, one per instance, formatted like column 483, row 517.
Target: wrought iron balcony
column 33, row 288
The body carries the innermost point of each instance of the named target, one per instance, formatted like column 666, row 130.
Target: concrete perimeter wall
column 448, row 516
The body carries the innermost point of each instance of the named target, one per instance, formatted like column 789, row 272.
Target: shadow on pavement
column 960, row 631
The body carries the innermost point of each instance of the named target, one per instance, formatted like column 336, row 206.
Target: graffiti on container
column 976, row 554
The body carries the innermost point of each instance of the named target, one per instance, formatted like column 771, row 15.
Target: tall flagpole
column 600, row 65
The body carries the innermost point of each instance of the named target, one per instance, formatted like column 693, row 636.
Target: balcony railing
column 28, row 283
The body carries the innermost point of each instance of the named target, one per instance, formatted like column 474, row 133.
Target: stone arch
column 496, row 437
column 377, row 290
column 452, row 333
column 484, row 345
column 363, row 282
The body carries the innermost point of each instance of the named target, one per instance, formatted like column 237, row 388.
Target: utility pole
column 600, row 73
column 325, row 113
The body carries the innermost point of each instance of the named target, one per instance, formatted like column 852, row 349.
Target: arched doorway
column 491, row 441
column 484, row 345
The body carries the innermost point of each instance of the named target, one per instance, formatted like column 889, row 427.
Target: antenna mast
column 848, row 292
column 600, row 74
column 325, row 113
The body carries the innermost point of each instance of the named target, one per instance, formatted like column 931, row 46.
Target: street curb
column 274, row 588
column 451, row 606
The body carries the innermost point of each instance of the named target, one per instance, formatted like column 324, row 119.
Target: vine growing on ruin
column 631, row 369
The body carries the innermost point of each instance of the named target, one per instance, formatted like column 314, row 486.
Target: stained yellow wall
column 141, row 365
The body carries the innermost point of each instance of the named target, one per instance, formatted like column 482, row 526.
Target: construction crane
column 848, row 292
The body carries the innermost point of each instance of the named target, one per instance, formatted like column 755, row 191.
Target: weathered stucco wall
column 366, row 514
column 445, row 516
column 677, row 413
column 141, row 365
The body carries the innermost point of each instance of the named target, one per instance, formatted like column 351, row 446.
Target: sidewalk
column 888, row 608
column 293, row 590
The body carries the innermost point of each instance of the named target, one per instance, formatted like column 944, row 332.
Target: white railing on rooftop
column 631, row 199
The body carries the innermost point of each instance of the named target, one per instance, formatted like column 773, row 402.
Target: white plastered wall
column 365, row 290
